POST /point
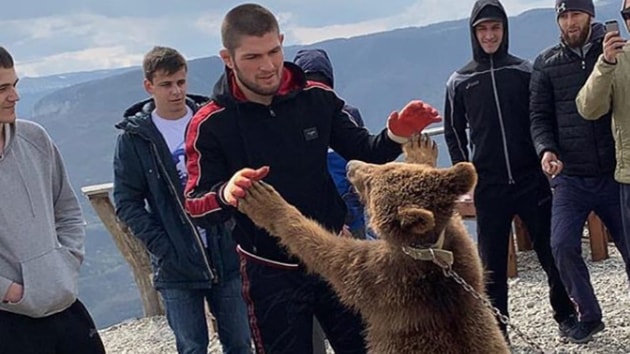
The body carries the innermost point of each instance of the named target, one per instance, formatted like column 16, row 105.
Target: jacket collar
column 227, row 92
column 137, row 118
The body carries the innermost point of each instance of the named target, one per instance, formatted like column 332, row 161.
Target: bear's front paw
column 421, row 149
column 263, row 205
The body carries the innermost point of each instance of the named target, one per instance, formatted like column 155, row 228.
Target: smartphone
column 612, row 25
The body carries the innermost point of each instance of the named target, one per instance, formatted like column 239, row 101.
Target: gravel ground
column 529, row 309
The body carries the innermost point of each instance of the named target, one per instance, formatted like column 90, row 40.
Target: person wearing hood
column 42, row 237
column 191, row 265
column 266, row 121
column 578, row 155
column 317, row 67
column 490, row 97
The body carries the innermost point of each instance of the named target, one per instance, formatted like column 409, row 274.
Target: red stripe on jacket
column 207, row 203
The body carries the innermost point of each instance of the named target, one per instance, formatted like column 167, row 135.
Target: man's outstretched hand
column 237, row 186
column 413, row 118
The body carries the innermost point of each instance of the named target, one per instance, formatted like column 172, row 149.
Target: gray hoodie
column 41, row 225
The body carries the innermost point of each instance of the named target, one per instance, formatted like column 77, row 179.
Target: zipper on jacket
column 213, row 274
column 582, row 58
column 500, row 115
column 271, row 112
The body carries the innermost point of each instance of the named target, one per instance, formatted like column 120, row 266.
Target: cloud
column 96, row 38
column 420, row 13
column 48, row 45
column 84, row 60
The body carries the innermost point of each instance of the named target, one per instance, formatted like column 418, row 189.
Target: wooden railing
column 130, row 247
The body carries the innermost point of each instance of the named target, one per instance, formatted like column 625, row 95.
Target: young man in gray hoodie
column 41, row 239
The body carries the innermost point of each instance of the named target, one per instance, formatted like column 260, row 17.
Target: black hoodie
column 490, row 96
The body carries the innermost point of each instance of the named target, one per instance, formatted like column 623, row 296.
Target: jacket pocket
column 50, row 284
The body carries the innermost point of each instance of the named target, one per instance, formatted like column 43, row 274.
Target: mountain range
column 378, row 73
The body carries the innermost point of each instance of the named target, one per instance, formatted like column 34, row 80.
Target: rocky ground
column 529, row 308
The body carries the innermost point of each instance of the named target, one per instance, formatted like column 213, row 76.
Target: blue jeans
column 573, row 199
column 186, row 317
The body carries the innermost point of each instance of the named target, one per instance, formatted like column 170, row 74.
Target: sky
column 49, row 37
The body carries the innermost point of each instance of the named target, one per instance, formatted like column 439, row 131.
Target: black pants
column 496, row 206
column 281, row 305
column 70, row 331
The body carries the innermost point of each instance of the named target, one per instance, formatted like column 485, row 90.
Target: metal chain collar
column 450, row 273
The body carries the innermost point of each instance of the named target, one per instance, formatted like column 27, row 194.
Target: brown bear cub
column 408, row 304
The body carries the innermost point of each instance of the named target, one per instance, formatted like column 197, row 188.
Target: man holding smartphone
column 578, row 155
column 608, row 88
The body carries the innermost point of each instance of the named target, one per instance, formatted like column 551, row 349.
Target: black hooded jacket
column 292, row 136
column 490, row 96
column 586, row 147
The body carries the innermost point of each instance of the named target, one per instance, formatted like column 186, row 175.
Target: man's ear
column 227, row 58
column 281, row 38
column 148, row 86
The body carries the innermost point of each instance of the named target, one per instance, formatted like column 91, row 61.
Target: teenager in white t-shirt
column 191, row 266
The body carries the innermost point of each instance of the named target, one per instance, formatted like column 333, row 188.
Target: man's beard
column 581, row 38
column 252, row 86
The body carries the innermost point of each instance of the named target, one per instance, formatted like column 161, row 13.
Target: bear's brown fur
column 409, row 306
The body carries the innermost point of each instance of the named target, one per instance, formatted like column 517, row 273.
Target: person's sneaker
column 566, row 326
column 583, row 332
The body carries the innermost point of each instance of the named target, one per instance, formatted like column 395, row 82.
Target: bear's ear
column 461, row 178
column 416, row 220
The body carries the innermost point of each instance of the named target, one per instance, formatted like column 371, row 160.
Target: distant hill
column 33, row 89
column 377, row 73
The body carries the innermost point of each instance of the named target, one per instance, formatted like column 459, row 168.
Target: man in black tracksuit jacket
column 264, row 113
column 578, row 154
column 490, row 95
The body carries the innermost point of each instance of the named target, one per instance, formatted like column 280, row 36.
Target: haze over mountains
column 377, row 73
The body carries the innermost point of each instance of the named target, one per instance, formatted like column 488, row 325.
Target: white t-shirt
column 174, row 131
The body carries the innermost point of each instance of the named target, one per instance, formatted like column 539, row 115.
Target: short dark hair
column 6, row 60
column 164, row 59
column 246, row 20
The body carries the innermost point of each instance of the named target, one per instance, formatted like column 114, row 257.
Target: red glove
column 413, row 118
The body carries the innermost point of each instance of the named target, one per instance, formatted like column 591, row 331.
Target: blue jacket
column 317, row 61
column 149, row 199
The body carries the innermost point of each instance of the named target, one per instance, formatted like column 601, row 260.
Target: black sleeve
column 207, row 175
column 542, row 109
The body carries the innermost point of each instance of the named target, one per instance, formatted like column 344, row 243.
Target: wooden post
column 134, row 252
column 523, row 241
column 512, row 271
column 598, row 237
